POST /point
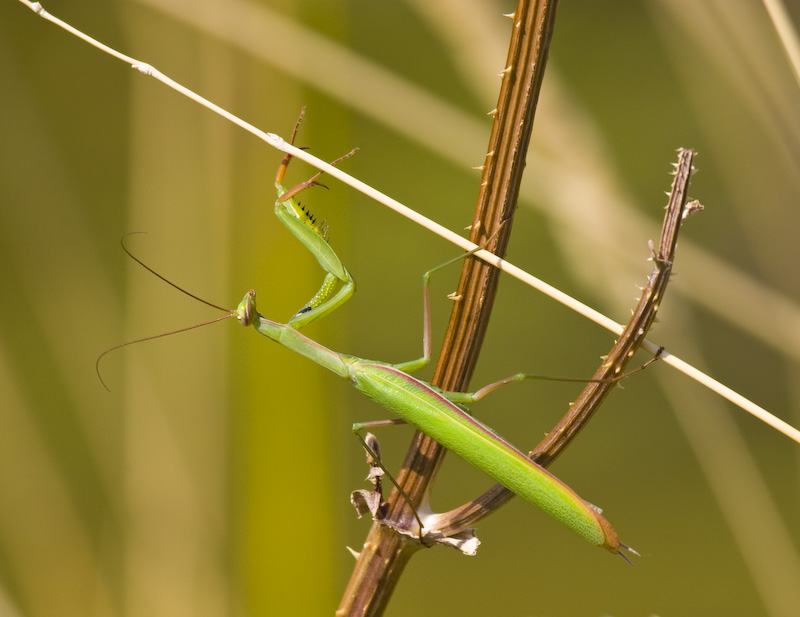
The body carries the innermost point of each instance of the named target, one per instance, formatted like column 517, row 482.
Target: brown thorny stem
column 385, row 552
column 595, row 392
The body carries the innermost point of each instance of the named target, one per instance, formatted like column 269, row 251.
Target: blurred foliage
column 213, row 479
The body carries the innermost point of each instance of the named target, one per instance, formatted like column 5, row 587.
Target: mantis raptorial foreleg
column 338, row 285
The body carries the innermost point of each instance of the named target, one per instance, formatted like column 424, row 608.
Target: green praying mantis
column 437, row 413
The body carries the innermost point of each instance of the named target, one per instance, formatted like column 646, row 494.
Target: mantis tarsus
column 437, row 413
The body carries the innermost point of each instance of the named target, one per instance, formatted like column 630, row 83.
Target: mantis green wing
column 432, row 413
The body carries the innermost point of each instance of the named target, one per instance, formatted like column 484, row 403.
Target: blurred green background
column 214, row 478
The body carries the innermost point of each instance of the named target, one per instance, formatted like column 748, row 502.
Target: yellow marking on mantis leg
column 338, row 285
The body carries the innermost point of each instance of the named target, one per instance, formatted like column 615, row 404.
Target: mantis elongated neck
column 290, row 338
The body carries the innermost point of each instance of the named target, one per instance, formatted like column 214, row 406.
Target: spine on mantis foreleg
column 303, row 225
column 429, row 411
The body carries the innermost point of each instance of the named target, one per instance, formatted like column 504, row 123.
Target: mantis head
column 246, row 311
